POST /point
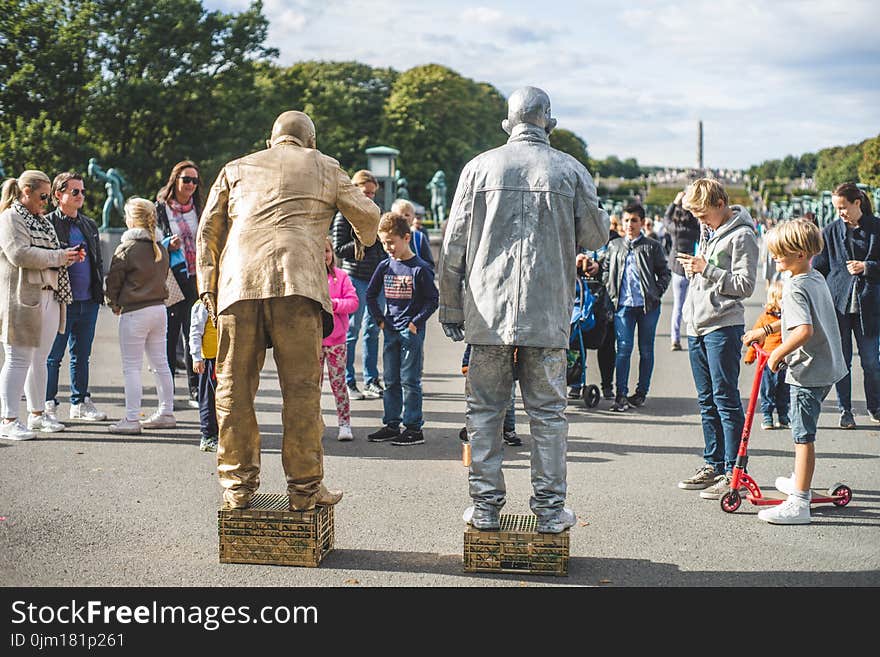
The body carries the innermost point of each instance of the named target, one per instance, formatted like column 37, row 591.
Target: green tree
column 440, row 120
column 869, row 167
column 788, row 168
column 838, row 165
column 568, row 142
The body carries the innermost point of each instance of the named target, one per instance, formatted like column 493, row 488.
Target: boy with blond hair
column 812, row 353
column 410, row 299
column 420, row 244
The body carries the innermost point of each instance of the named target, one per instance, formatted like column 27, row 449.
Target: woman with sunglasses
column 34, row 293
column 87, row 287
column 178, row 206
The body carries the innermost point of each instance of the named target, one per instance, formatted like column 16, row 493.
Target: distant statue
column 400, row 184
column 438, row 198
column 113, row 184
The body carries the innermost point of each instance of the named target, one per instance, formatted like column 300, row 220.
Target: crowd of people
column 823, row 297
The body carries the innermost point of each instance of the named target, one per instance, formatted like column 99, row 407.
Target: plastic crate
column 270, row 533
column 516, row 548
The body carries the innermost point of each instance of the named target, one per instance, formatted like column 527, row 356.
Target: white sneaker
column 15, row 430
column 159, row 421
column 786, row 485
column 43, row 423
column 86, row 411
column 345, row 433
column 124, row 426
column 50, row 408
column 794, row 511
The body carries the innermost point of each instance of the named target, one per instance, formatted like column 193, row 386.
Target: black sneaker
column 607, row 393
column 462, row 435
column 409, row 437
column 384, row 434
column 354, row 392
column 636, row 400
column 511, row 439
column 620, row 404
column 874, row 415
column 574, row 393
column 373, row 390
column 847, row 421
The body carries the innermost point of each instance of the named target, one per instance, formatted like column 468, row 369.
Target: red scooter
column 838, row 494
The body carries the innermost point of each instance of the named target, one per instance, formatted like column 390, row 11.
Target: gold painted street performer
column 507, row 282
column 261, row 274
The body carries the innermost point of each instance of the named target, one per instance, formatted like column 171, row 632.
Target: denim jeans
column 679, row 294
column 806, row 405
column 82, row 316
column 869, row 354
column 715, row 361
column 775, row 394
column 359, row 319
column 510, row 415
column 402, row 370
column 626, row 319
column 207, row 400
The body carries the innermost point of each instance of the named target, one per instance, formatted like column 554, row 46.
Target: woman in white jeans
column 135, row 290
column 34, row 292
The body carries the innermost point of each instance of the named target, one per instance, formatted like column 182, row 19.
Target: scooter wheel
column 730, row 501
column 592, row 395
column 843, row 492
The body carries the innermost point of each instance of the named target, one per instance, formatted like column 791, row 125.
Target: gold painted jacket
column 262, row 231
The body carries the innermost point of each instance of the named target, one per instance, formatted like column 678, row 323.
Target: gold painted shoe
column 324, row 497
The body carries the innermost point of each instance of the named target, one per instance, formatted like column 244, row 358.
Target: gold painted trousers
column 293, row 324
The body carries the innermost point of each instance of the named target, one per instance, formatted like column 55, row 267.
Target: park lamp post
column 382, row 163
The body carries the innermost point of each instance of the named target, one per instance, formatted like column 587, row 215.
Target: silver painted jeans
column 542, row 382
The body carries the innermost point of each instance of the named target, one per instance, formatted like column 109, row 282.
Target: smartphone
column 81, row 246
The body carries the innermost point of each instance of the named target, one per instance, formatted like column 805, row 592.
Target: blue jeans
column 510, row 415
column 79, row 334
column 361, row 318
column 402, row 370
column 626, row 319
column 679, row 294
column 775, row 394
column 207, row 400
column 715, row 361
column 869, row 354
column 806, row 405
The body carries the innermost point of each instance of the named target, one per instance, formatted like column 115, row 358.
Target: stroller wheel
column 730, row 501
column 592, row 395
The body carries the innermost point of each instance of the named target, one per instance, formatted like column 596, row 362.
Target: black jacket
column 831, row 263
column 89, row 229
column 684, row 228
column 654, row 274
column 342, row 237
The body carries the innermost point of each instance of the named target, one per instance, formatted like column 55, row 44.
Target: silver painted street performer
column 261, row 273
column 507, row 281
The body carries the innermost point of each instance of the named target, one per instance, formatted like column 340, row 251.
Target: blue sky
column 768, row 78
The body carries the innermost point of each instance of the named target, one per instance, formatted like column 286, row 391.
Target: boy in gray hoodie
column 722, row 274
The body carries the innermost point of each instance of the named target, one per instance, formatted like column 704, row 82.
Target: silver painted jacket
column 507, row 266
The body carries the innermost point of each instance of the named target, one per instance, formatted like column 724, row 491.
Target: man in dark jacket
column 636, row 275
column 850, row 263
column 86, row 282
column 684, row 229
column 360, row 263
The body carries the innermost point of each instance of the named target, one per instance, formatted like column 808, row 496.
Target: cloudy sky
column 768, row 78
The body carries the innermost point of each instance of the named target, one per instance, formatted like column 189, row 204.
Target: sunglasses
column 44, row 197
column 189, row 180
column 76, row 192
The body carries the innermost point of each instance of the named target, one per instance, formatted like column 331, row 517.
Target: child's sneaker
column 767, row 422
column 786, row 485
column 345, row 433
column 208, row 444
column 43, row 423
column 620, row 405
column 794, row 511
column 15, row 430
column 384, row 434
column 511, row 439
column 85, row 411
column 409, row 437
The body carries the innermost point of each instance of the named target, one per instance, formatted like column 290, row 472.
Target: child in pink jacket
column 345, row 301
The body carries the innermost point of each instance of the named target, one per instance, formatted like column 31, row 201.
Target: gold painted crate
column 516, row 548
column 269, row 533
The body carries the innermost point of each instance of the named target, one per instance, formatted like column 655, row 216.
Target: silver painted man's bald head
column 528, row 105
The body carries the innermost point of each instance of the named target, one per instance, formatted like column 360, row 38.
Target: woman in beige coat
column 34, row 291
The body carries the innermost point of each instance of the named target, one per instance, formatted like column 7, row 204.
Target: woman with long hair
column 850, row 263
column 178, row 205
column 34, row 293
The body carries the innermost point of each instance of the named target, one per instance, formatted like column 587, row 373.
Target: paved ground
column 86, row 508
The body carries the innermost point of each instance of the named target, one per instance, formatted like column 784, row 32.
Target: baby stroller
column 589, row 322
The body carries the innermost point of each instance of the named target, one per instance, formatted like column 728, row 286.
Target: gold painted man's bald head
column 294, row 124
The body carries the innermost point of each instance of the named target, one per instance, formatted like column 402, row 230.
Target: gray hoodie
column 714, row 298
